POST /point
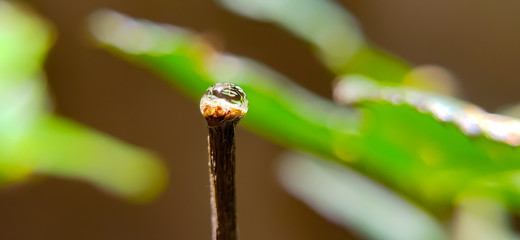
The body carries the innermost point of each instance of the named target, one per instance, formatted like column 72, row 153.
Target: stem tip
column 223, row 102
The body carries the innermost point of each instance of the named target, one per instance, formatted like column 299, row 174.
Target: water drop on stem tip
column 223, row 102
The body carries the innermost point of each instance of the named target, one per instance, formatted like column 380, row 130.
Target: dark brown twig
column 223, row 105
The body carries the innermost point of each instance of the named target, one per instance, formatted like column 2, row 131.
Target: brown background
column 477, row 39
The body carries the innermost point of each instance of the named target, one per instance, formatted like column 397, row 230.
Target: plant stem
column 221, row 141
column 223, row 105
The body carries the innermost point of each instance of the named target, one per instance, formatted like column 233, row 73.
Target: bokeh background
column 477, row 40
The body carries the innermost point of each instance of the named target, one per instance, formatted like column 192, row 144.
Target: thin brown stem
column 223, row 105
column 221, row 141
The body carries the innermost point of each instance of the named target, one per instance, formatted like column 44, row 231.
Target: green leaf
column 432, row 147
column 279, row 109
column 35, row 141
column 356, row 202
column 416, row 153
column 331, row 30
column 58, row 147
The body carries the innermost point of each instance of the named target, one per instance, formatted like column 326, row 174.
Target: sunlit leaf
column 414, row 152
column 280, row 109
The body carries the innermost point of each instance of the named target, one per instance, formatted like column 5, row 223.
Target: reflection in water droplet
column 225, row 95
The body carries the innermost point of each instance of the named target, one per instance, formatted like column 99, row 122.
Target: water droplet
column 224, row 100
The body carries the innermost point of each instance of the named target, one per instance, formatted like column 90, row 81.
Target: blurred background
column 477, row 40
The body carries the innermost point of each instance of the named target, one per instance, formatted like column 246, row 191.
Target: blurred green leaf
column 332, row 30
column 329, row 28
column 356, row 202
column 431, row 146
column 413, row 152
column 24, row 41
column 59, row 147
column 35, row 141
column 339, row 41
column 280, row 110
column 441, row 160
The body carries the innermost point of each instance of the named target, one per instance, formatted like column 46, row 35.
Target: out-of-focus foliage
column 317, row 23
column 336, row 36
column 35, row 141
column 307, row 122
column 353, row 201
column 456, row 146
column 192, row 65
column 408, row 146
